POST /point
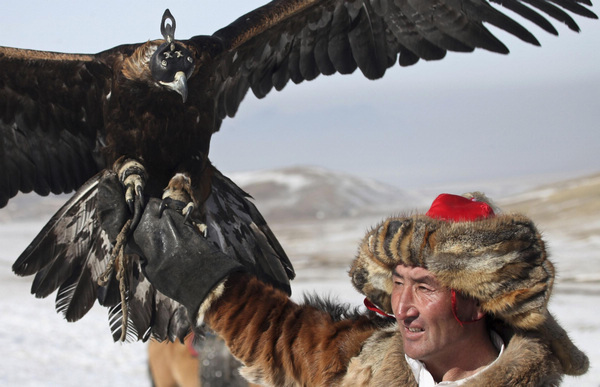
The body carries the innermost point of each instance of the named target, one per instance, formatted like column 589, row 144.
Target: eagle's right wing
column 51, row 120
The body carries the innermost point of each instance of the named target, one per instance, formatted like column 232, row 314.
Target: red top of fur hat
column 459, row 209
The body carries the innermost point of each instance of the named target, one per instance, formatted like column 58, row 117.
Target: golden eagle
column 147, row 111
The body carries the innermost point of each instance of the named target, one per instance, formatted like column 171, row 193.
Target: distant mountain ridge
column 312, row 193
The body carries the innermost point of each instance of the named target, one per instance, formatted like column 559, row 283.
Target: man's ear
column 478, row 311
column 466, row 309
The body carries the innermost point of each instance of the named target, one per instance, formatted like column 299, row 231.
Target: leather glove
column 177, row 260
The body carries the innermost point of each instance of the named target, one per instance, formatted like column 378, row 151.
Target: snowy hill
column 310, row 193
column 571, row 207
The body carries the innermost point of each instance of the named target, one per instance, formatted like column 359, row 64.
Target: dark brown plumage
column 65, row 117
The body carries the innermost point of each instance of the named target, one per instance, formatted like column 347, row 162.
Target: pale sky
column 468, row 117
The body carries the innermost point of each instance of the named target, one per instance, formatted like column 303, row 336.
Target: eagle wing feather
column 51, row 121
column 300, row 39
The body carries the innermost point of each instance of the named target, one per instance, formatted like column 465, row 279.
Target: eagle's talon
column 203, row 228
column 187, row 211
column 162, row 208
column 139, row 190
column 130, row 199
column 134, row 194
column 132, row 175
column 178, row 195
column 138, row 211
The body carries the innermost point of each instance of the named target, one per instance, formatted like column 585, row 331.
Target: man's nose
column 406, row 307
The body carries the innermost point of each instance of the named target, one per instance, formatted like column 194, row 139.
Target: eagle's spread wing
column 300, row 39
column 51, row 121
column 71, row 253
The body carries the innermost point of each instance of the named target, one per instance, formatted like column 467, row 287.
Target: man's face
column 423, row 309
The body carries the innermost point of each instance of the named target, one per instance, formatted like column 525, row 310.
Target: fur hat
column 498, row 259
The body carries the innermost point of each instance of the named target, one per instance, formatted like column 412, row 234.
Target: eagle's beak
column 179, row 84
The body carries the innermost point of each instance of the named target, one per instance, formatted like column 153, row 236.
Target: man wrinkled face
column 423, row 309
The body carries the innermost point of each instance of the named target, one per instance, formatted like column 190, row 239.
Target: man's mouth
column 414, row 329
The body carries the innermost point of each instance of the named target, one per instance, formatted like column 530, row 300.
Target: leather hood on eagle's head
column 170, row 59
column 172, row 64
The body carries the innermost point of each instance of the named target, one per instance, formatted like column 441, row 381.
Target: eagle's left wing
column 298, row 40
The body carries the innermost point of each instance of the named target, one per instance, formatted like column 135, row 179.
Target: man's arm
column 281, row 342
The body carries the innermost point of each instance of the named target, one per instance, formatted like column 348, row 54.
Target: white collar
column 425, row 379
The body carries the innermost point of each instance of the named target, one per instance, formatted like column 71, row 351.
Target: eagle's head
column 172, row 63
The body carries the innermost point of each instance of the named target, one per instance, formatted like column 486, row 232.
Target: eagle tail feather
column 141, row 308
column 115, row 321
column 170, row 319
